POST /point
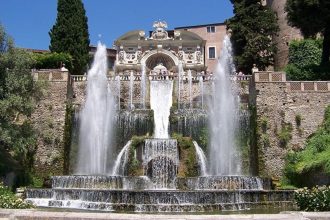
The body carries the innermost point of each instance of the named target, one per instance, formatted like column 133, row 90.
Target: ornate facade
column 160, row 52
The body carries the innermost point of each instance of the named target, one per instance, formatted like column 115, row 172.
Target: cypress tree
column 252, row 27
column 70, row 33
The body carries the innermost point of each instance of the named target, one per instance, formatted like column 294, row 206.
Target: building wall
column 285, row 35
column 212, row 40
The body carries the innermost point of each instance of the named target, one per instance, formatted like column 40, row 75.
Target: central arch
column 155, row 57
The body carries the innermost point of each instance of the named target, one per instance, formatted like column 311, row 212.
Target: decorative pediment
column 159, row 32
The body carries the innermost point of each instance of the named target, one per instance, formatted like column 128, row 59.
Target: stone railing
column 50, row 75
column 240, row 78
column 78, row 78
column 269, row 77
column 151, row 77
column 306, row 86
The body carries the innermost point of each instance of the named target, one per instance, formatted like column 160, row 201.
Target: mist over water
column 223, row 112
column 96, row 117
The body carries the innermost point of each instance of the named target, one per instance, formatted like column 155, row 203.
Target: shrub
column 315, row 199
column 314, row 158
column 52, row 60
column 305, row 52
column 8, row 200
column 304, row 61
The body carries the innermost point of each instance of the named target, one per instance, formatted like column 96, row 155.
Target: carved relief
column 159, row 33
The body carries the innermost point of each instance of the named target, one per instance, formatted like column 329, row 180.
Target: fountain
column 223, row 111
column 156, row 172
column 96, row 119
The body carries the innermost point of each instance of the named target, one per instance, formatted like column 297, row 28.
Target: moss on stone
column 188, row 166
column 134, row 166
column 69, row 114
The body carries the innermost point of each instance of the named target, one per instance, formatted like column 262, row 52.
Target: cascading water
column 161, row 102
column 160, row 161
column 223, row 111
column 143, row 87
column 96, row 119
column 121, row 161
column 201, row 158
column 190, row 88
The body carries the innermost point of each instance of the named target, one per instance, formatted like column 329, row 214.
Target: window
column 211, row 52
column 210, row 29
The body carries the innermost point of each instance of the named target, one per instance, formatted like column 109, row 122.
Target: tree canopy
column 18, row 93
column 311, row 17
column 70, row 33
column 252, row 28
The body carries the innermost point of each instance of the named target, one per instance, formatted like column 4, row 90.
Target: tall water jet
column 117, row 79
column 201, row 87
column 223, row 110
column 131, row 85
column 96, row 119
column 180, row 81
column 190, row 88
column 143, row 87
column 160, row 103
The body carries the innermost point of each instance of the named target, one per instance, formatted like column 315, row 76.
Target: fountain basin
column 159, row 200
column 144, row 183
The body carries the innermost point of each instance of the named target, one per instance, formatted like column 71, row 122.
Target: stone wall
column 49, row 119
column 287, row 113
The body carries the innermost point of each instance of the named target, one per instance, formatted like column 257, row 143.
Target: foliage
column 52, row 60
column 315, row 199
column 188, row 162
column 252, row 27
column 305, row 52
column 203, row 138
column 298, row 120
column 304, row 61
column 312, row 17
column 8, row 200
column 314, row 157
column 284, row 135
column 18, row 95
column 70, row 33
column 134, row 166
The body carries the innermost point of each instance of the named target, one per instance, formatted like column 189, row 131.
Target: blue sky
column 29, row 21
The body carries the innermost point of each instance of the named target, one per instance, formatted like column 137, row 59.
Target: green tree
column 70, row 33
column 252, row 28
column 311, row 17
column 18, row 93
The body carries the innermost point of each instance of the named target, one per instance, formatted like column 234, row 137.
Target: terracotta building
column 213, row 34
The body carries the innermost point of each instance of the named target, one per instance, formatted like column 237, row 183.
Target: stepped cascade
column 159, row 169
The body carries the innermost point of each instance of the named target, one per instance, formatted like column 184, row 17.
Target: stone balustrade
column 50, row 75
column 154, row 77
column 306, row 86
column 269, row 76
column 293, row 86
